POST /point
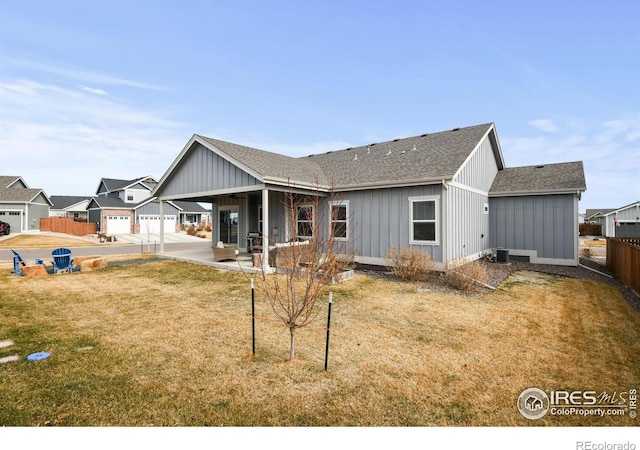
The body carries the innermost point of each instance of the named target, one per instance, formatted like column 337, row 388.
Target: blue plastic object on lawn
column 62, row 260
column 18, row 261
column 38, row 356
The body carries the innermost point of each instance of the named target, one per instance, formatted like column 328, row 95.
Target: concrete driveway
column 169, row 238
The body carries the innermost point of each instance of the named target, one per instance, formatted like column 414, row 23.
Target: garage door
column 118, row 225
column 628, row 229
column 151, row 224
column 13, row 218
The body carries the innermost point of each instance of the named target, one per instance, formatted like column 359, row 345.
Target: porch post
column 265, row 230
column 161, row 227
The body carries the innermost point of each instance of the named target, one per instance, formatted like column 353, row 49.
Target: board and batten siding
column 36, row 211
column 630, row 214
column 379, row 219
column 467, row 198
column 480, row 169
column 543, row 228
column 203, row 171
column 153, row 208
column 467, row 226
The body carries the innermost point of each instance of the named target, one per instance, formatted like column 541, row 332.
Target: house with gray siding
column 21, row 206
column 69, row 206
column 447, row 194
column 621, row 222
column 534, row 212
column 127, row 207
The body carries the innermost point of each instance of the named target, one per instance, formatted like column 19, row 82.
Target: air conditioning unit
column 502, row 255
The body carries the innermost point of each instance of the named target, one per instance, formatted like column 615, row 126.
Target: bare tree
column 315, row 256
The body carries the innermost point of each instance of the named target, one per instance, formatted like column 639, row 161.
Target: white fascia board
column 295, row 184
column 464, row 187
column 214, row 193
column 392, row 184
column 525, row 193
column 632, row 205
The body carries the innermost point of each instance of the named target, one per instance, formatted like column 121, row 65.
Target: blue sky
column 115, row 89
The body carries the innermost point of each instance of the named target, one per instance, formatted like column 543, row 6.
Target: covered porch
column 204, row 257
column 248, row 191
column 251, row 221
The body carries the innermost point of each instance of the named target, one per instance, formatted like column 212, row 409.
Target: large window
column 424, row 220
column 304, row 221
column 339, row 219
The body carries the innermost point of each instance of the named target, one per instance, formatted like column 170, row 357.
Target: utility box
column 502, row 255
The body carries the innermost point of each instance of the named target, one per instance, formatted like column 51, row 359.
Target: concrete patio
column 244, row 262
column 204, row 256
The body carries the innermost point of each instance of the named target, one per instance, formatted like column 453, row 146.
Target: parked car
column 5, row 228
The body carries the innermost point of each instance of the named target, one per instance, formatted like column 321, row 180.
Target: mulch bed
column 497, row 273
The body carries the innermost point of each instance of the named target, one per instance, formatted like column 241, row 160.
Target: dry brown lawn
column 600, row 243
column 169, row 343
column 44, row 241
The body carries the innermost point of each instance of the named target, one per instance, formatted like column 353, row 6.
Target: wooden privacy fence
column 67, row 226
column 623, row 260
column 590, row 229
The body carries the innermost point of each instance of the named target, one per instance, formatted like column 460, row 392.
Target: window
column 260, row 219
column 304, row 221
column 339, row 222
column 129, row 196
column 424, row 219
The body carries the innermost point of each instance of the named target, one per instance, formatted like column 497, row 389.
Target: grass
column 43, row 241
column 601, row 243
column 172, row 347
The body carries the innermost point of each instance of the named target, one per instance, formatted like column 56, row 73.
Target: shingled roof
column 65, row 201
column 114, row 184
column 12, row 192
column 426, row 157
column 422, row 158
column 271, row 165
column 548, row 178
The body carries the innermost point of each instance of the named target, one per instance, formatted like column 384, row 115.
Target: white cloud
column 65, row 140
column 94, row 90
column 609, row 150
column 544, row 125
column 80, row 74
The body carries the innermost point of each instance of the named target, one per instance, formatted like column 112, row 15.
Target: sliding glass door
column 228, row 223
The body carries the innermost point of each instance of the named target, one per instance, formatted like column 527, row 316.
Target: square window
column 424, row 220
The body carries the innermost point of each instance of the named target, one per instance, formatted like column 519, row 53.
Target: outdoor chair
column 62, row 260
column 222, row 253
column 18, row 262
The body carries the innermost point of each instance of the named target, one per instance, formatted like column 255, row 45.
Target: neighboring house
column 621, row 222
column 71, row 207
column 20, row 206
column 596, row 216
column 192, row 213
column 127, row 206
column 448, row 194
